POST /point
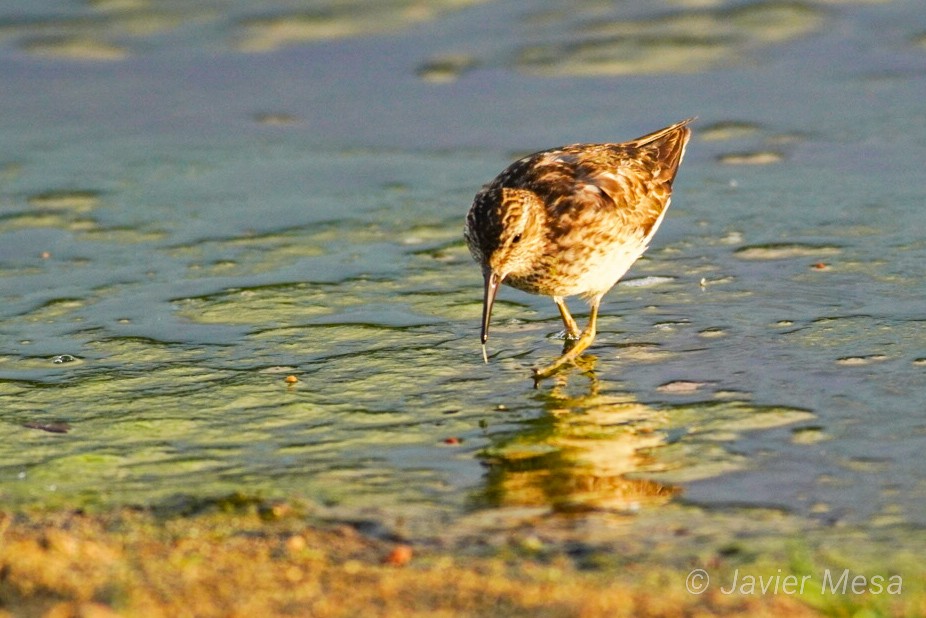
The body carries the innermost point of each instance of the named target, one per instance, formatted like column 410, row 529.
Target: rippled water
column 197, row 204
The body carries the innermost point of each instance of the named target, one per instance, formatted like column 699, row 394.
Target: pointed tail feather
column 668, row 145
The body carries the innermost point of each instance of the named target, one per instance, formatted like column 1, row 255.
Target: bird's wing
column 635, row 176
column 631, row 186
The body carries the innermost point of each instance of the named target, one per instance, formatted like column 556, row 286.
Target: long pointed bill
column 492, row 282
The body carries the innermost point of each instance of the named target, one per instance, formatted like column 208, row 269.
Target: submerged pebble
column 808, row 435
column 57, row 427
column 445, row 69
column 759, row 157
column 861, row 360
column 783, row 251
column 645, row 282
column 680, row 387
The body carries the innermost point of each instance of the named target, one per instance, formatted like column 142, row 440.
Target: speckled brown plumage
column 572, row 220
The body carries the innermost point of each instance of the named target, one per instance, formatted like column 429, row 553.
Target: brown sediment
column 271, row 562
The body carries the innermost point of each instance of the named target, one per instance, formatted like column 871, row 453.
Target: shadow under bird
column 571, row 221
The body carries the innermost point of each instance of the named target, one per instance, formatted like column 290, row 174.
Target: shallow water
column 196, row 204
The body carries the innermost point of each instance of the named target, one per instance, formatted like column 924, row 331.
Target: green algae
column 684, row 42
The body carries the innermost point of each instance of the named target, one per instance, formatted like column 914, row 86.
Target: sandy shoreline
column 277, row 560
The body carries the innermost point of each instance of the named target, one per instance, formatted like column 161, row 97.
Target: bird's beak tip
column 492, row 281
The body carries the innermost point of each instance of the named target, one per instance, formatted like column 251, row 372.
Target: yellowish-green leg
column 581, row 344
column 572, row 329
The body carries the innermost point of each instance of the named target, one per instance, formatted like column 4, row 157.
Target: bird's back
column 631, row 180
column 602, row 203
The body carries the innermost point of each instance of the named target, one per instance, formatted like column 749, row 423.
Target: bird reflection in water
column 581, row 455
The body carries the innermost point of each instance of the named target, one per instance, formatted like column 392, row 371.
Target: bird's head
column 505, row 234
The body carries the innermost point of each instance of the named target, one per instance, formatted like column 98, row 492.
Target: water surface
column 197, row 203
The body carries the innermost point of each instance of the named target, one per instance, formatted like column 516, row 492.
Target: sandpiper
column 571, row 221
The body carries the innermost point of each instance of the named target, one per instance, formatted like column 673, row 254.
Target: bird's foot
column 567, row 335
column 572, row 350
column 541, row 373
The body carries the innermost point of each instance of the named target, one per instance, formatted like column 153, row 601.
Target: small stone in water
column 400, row 556
column 681, row 386
column 64, row 358
column 49, row 427
column 861, row 360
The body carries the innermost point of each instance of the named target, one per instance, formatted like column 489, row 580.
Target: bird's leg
column 581, row 344
column 572, row 329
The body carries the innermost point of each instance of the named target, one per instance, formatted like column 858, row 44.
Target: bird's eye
column 517, row 238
